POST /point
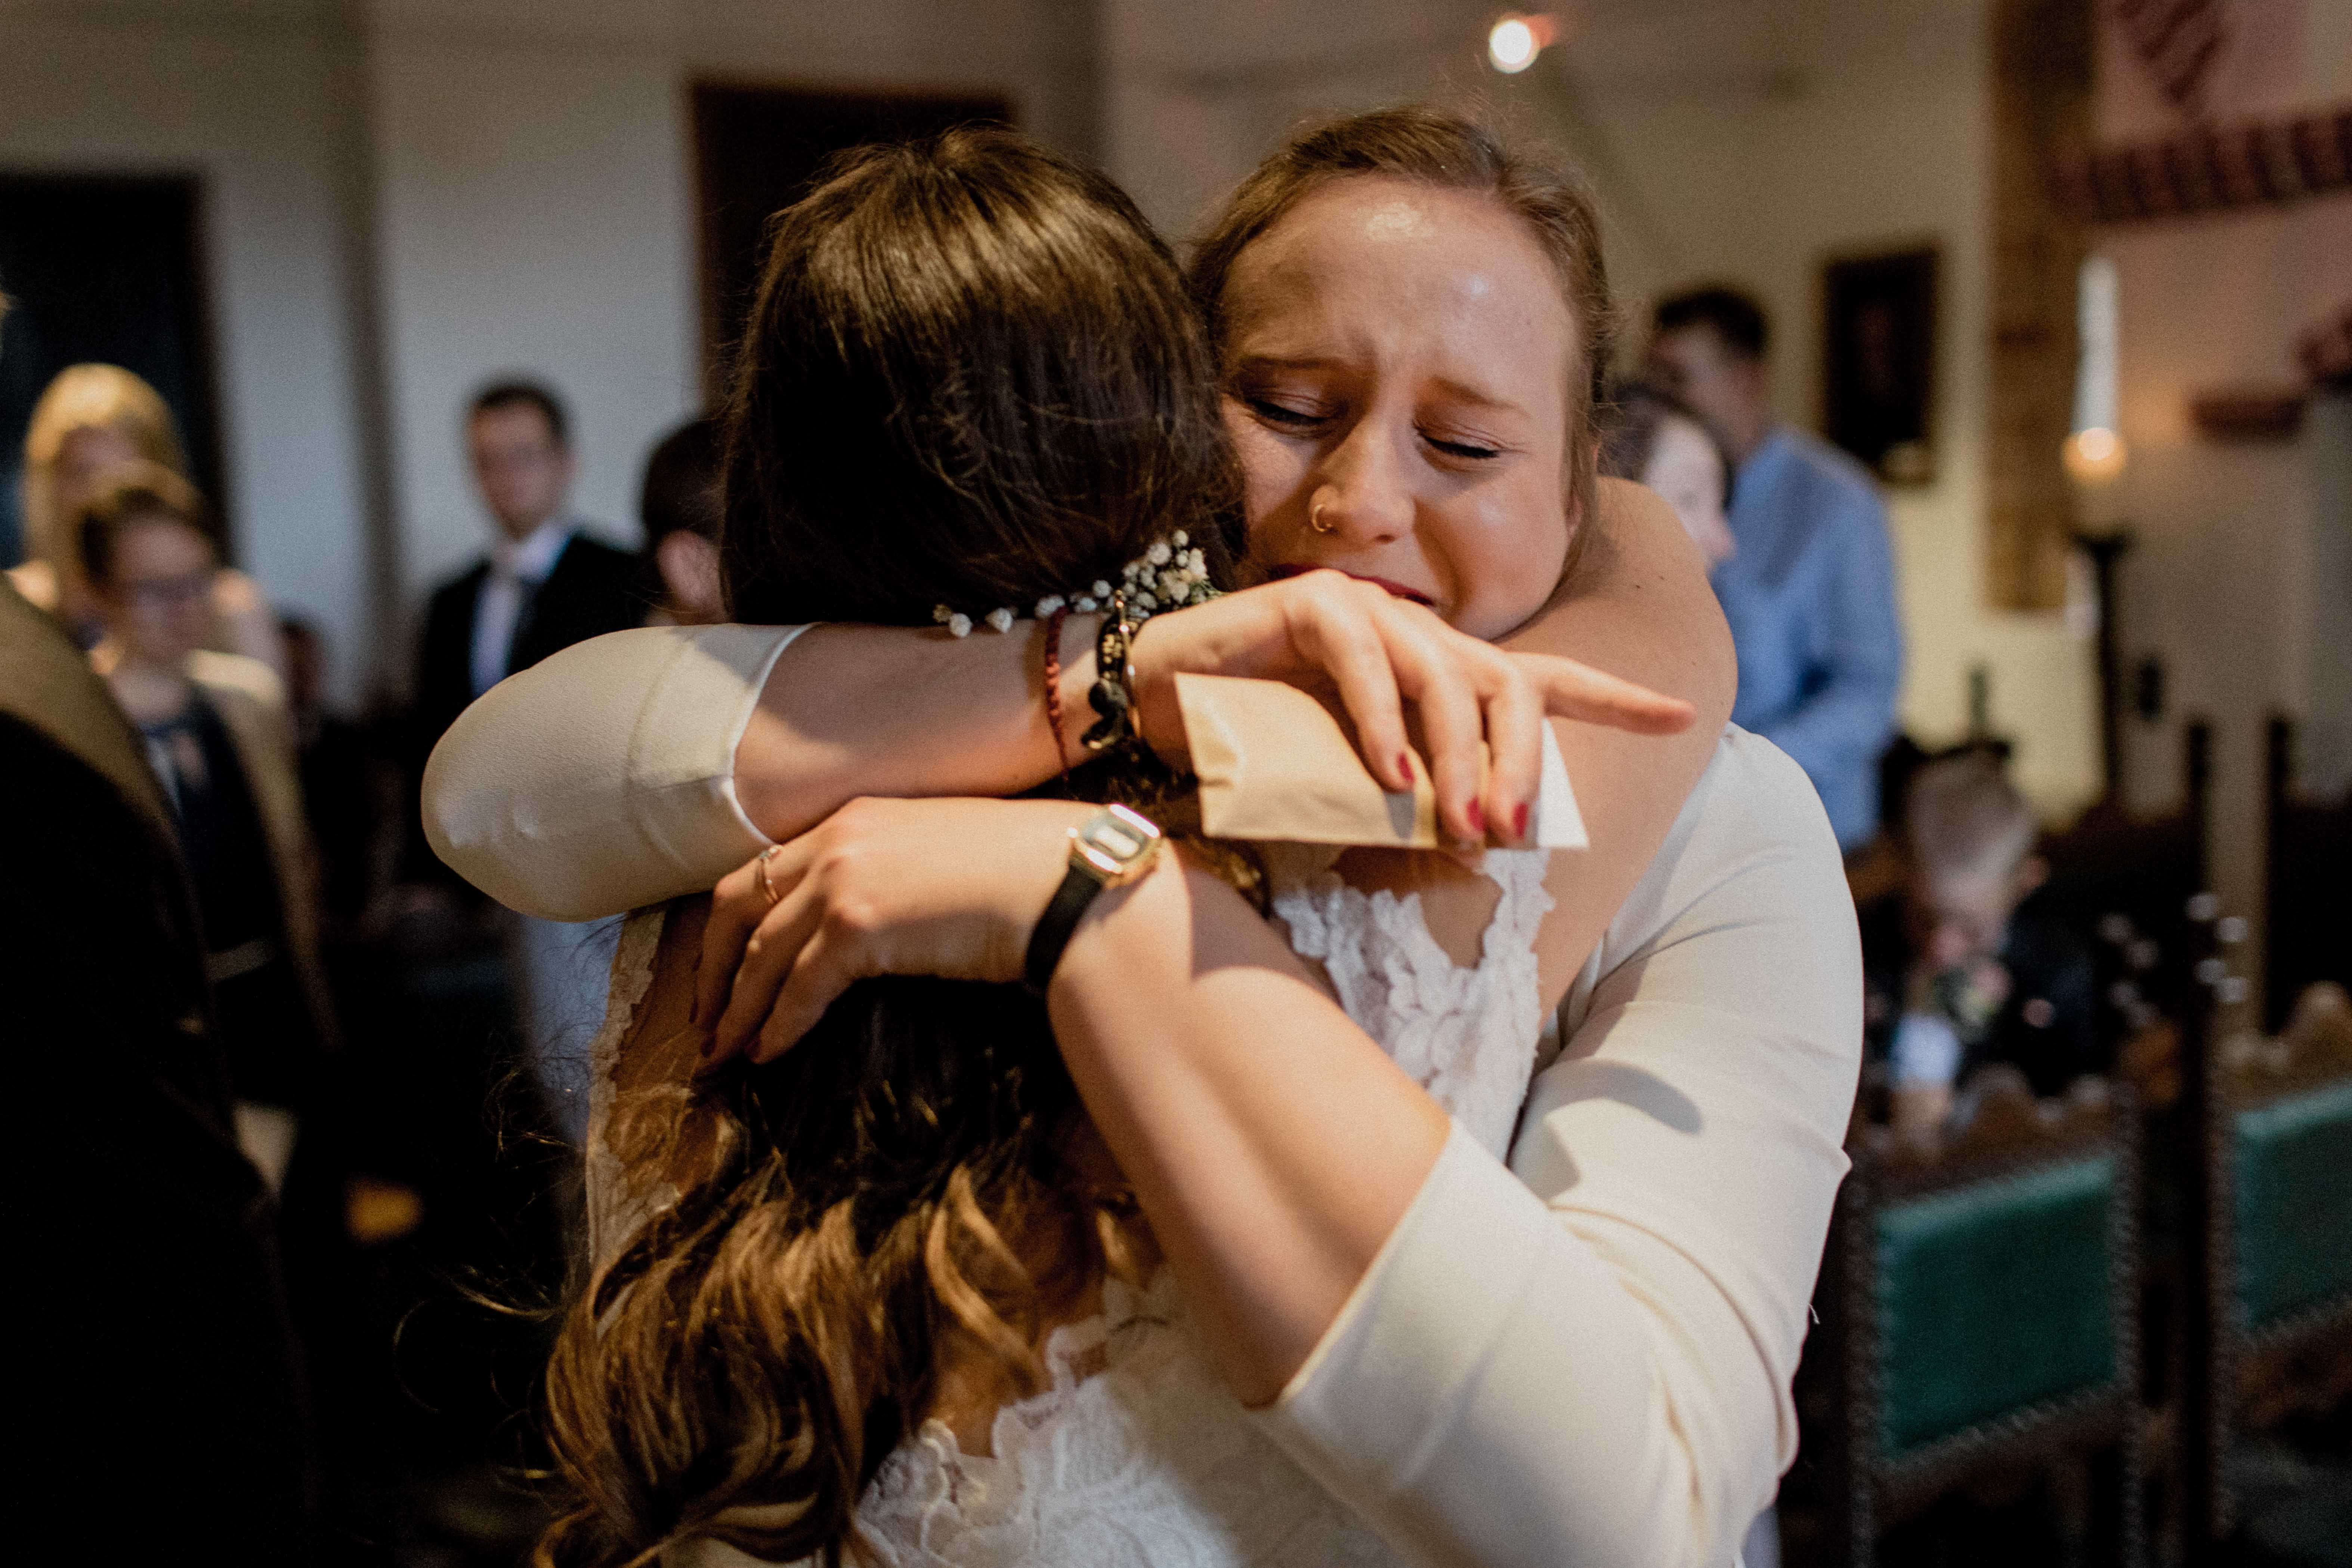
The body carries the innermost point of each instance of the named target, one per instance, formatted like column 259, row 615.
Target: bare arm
column 1640, row 600
column 1271, row 1141
column 852, row 710
column 644, row 765
column 858, row 711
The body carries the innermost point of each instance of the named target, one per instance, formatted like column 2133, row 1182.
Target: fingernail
column 1476, row 815
column 1519, row 821
column 694, row 1009
column 1405, row 766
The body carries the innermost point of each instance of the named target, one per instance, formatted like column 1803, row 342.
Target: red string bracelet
column 1054, row 685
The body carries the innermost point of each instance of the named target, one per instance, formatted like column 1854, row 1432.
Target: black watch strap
column 1071, row 900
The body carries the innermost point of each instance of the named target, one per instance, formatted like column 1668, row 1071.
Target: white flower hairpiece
column 1171, row 575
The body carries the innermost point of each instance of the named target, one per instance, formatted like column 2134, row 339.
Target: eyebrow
column 1460, row 391
column 1466, row 393
column 1278, row 362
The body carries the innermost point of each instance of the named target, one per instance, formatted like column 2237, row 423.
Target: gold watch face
column 1116, row 842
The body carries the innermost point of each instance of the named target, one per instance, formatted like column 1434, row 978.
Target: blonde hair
column 88, row 398
column 1963, row 819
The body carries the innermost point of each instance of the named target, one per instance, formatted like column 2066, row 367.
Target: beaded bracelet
column 1112, row 697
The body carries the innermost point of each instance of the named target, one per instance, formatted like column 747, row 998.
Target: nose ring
column 1315, row 518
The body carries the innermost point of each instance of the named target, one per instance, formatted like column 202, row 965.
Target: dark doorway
column 758, row 148
column 107, row 269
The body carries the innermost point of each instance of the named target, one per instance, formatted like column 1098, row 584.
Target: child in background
column 1963, row 969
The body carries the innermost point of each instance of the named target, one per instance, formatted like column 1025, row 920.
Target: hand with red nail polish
column 1475, row 712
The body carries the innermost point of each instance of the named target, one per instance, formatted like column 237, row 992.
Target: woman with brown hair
column 217, row 737
column 1655, row 438
column 1583, row 1355
column 92, row 420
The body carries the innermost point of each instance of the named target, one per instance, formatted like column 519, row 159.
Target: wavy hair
column 971, row 376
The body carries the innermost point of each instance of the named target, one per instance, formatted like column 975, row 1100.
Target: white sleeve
column 603, row 778
column 1586, row 1357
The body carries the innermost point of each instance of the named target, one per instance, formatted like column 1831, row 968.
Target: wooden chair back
column 1981, row 1310
column 2307, row 916
column 2280, row 1213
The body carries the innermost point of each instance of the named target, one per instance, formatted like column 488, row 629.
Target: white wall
column 243, row 101
column 535, row 217
column 535, row 177
column 1197, row 93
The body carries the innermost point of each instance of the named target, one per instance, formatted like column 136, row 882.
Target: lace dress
column 1137, row 1456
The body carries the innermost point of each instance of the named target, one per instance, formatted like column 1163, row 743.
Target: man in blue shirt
column 1809, row 591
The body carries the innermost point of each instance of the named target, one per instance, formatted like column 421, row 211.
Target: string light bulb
column 1514, row 42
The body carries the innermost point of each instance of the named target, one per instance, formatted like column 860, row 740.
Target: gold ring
column 1315, row 518
column 759, row 872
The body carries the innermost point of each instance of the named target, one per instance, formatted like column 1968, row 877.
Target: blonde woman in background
column 91, row 422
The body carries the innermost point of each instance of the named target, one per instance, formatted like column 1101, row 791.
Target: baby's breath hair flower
column 1173, row 574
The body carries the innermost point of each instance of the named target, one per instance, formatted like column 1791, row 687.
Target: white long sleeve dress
column 1577, row 1345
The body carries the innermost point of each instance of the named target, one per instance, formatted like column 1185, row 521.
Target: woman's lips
column 1300, row 568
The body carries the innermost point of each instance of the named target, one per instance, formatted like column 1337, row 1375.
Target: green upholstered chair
column 2280, row 1156
column 1983, row 1307
column 2291, row 1165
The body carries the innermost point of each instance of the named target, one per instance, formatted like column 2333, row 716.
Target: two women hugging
column 1368, row 1206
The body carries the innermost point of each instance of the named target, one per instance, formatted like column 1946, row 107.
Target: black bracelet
column 1109, row 850
column 1112, row 695
column 1080, row 887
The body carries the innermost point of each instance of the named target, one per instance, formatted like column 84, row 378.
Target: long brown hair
column 1439, row 148
column 971, row 376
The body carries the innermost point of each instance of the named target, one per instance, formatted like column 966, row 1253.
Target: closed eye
column 1283, row 414
column 1466, row 449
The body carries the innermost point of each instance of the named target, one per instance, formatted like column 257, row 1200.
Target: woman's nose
column 1363, row 498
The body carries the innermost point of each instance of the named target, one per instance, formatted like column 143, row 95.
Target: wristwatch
column 1110, row 849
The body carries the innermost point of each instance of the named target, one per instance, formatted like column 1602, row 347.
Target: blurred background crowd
column 1996, row 354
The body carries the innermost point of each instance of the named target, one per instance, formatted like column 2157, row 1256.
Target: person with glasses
column 214, row 730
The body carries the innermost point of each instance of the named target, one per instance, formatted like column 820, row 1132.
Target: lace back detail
column 1467, row 1036
column 1146, row 1462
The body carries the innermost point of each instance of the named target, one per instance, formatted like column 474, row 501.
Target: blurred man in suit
column 544, row 585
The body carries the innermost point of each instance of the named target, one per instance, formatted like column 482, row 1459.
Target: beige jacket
column 251, row 701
